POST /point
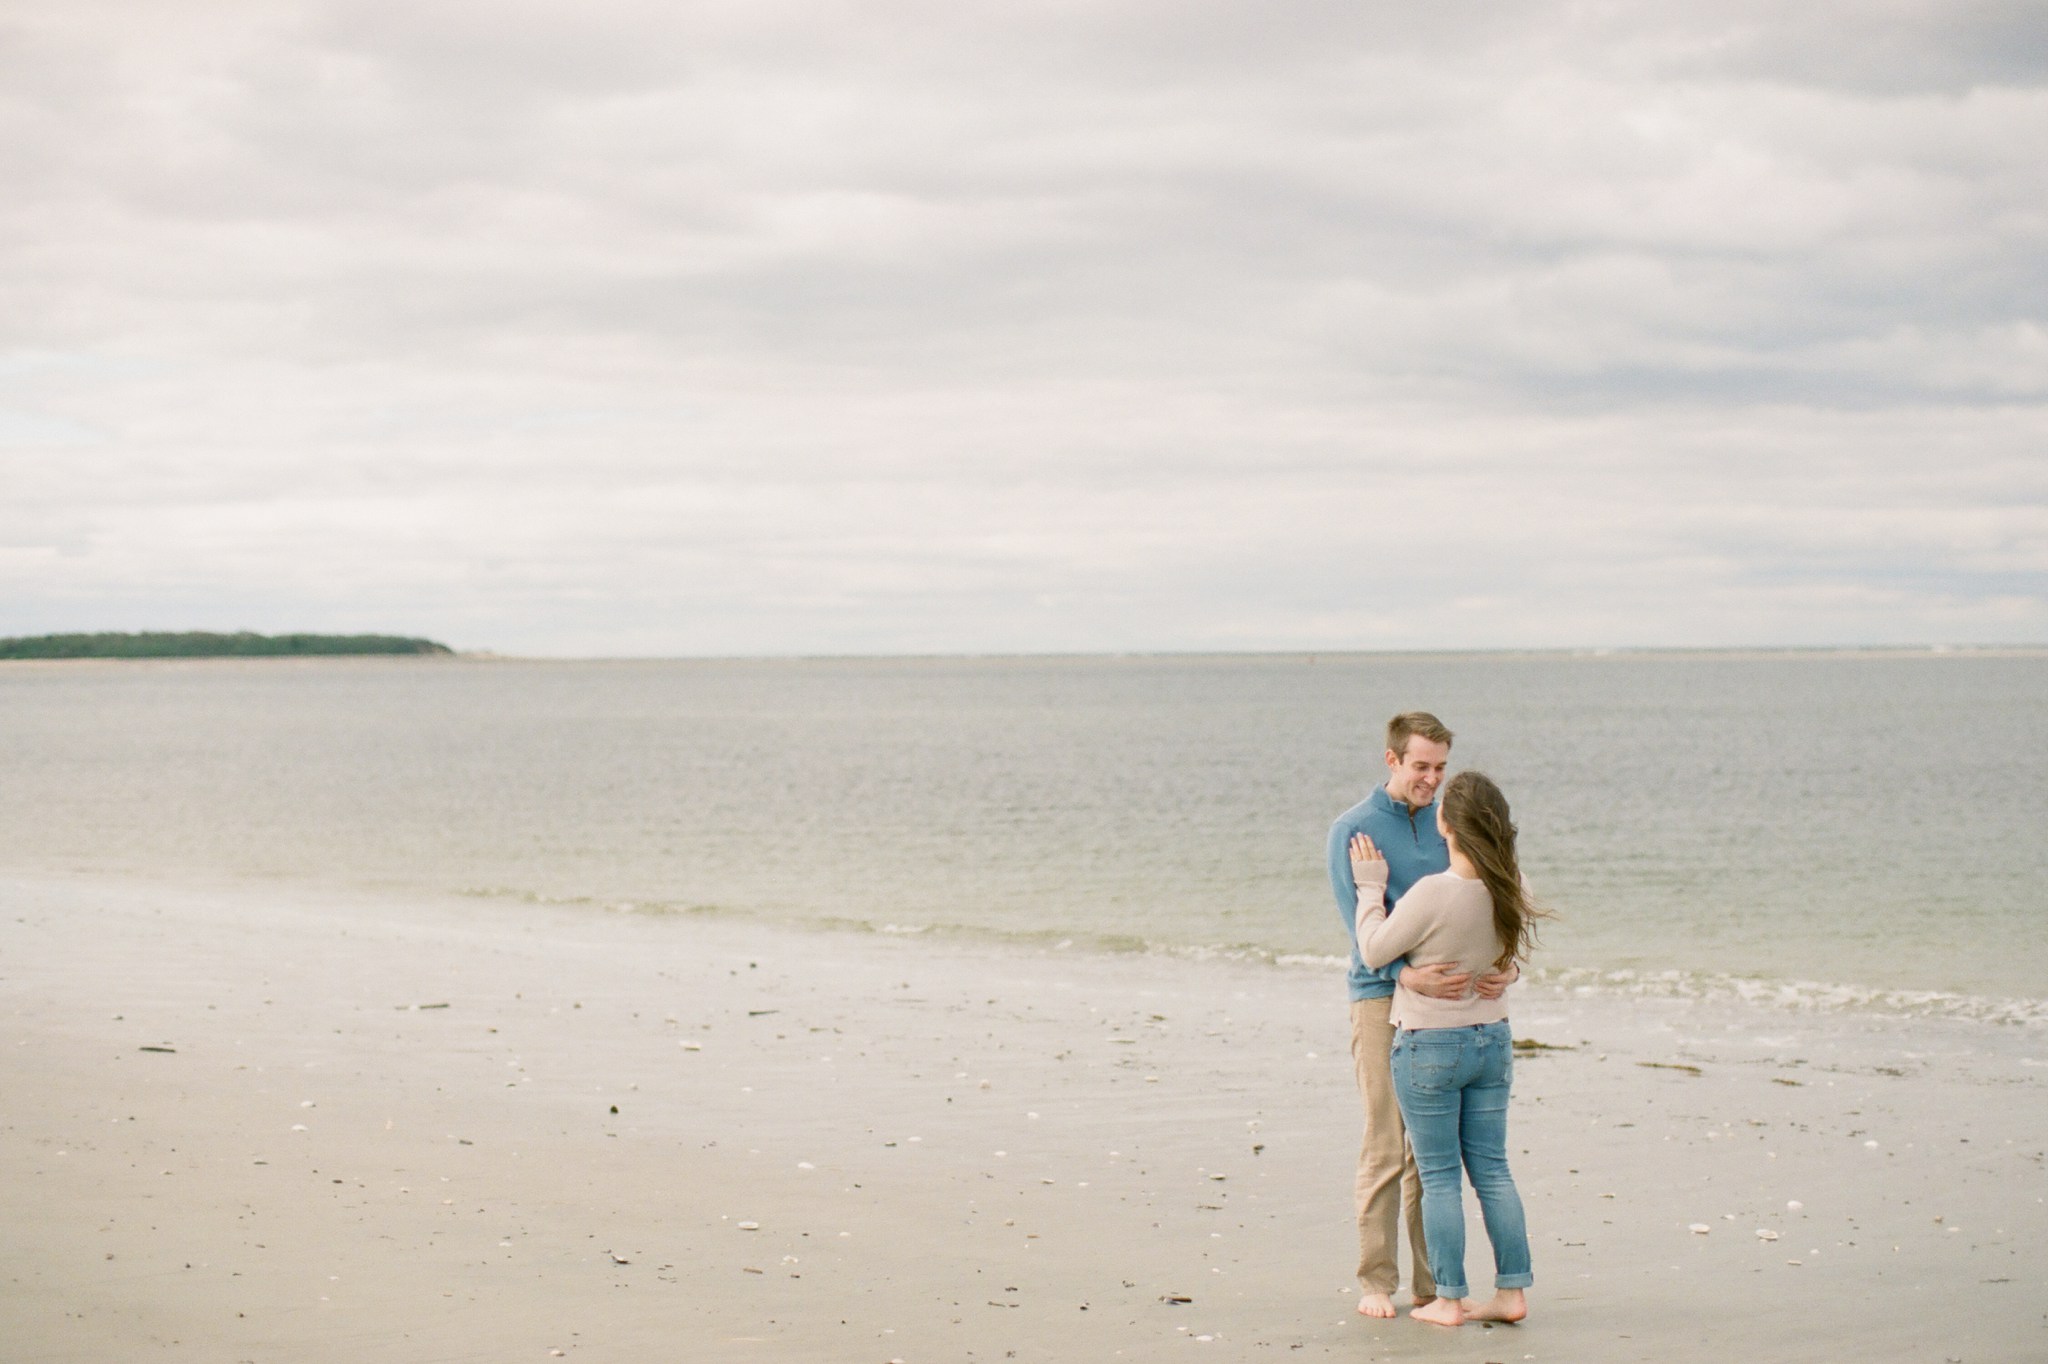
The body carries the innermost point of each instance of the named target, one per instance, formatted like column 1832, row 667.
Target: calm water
column 1852, row 824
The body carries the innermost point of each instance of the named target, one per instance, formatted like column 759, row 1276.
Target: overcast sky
column 650, row 327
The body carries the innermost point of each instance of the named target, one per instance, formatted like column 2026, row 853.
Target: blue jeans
column 1453, row 1087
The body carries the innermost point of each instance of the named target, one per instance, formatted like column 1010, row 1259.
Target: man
column 1400, row 818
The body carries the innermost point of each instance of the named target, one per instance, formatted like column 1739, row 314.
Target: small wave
column 525, row 897
column 1793, row 996
column 648, row 908
column 1797, row 996
column 1240, row 951
column 1316, row 960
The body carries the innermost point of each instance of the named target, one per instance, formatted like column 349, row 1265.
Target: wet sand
column 238, row 1125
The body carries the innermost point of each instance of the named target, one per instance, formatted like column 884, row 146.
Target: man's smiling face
column 1413, row 777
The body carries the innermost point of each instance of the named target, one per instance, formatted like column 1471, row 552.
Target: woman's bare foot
column 1509, row 1304
column 1441, row 1312
column 1376, row 1305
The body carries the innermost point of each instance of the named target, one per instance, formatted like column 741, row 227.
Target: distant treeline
column 203, row 644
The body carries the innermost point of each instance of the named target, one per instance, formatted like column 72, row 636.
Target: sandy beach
column 287, row 1126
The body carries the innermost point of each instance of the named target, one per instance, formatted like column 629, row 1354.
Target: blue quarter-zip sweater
column 1413, row 848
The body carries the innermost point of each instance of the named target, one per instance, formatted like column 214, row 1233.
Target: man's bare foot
column 1441, row 1312
column 1509, row 1304
column 1376, row 1305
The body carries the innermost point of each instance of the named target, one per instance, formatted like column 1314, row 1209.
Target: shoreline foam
column 1791, row 994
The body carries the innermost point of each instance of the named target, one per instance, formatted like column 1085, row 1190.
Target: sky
column 637, row 328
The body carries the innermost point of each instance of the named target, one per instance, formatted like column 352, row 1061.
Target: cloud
column 792, row 327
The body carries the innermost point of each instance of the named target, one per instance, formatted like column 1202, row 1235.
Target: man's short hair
column 1415, row 724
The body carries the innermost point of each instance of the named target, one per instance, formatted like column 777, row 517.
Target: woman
column 1453, row 1057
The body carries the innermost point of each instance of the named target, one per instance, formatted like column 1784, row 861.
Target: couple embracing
column 1428, row 884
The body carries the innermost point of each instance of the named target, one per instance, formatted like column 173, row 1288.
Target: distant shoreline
column 207, row 644
column 1623, row 654
column 12, row 650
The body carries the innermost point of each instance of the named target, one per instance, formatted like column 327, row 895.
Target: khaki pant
column 1388, row 1187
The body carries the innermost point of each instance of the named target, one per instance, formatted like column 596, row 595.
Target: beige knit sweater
column 1442, row 918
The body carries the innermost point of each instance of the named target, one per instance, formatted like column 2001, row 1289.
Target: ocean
column 1810, row 830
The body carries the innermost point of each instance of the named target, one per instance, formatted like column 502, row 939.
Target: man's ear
column 1393, row 760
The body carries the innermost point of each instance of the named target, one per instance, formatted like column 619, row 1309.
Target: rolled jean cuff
column 1513, row 1280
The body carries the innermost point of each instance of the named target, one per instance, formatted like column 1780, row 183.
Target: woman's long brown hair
column 1477, row 815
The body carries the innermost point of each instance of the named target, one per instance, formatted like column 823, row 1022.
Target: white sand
column 946, row 1152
